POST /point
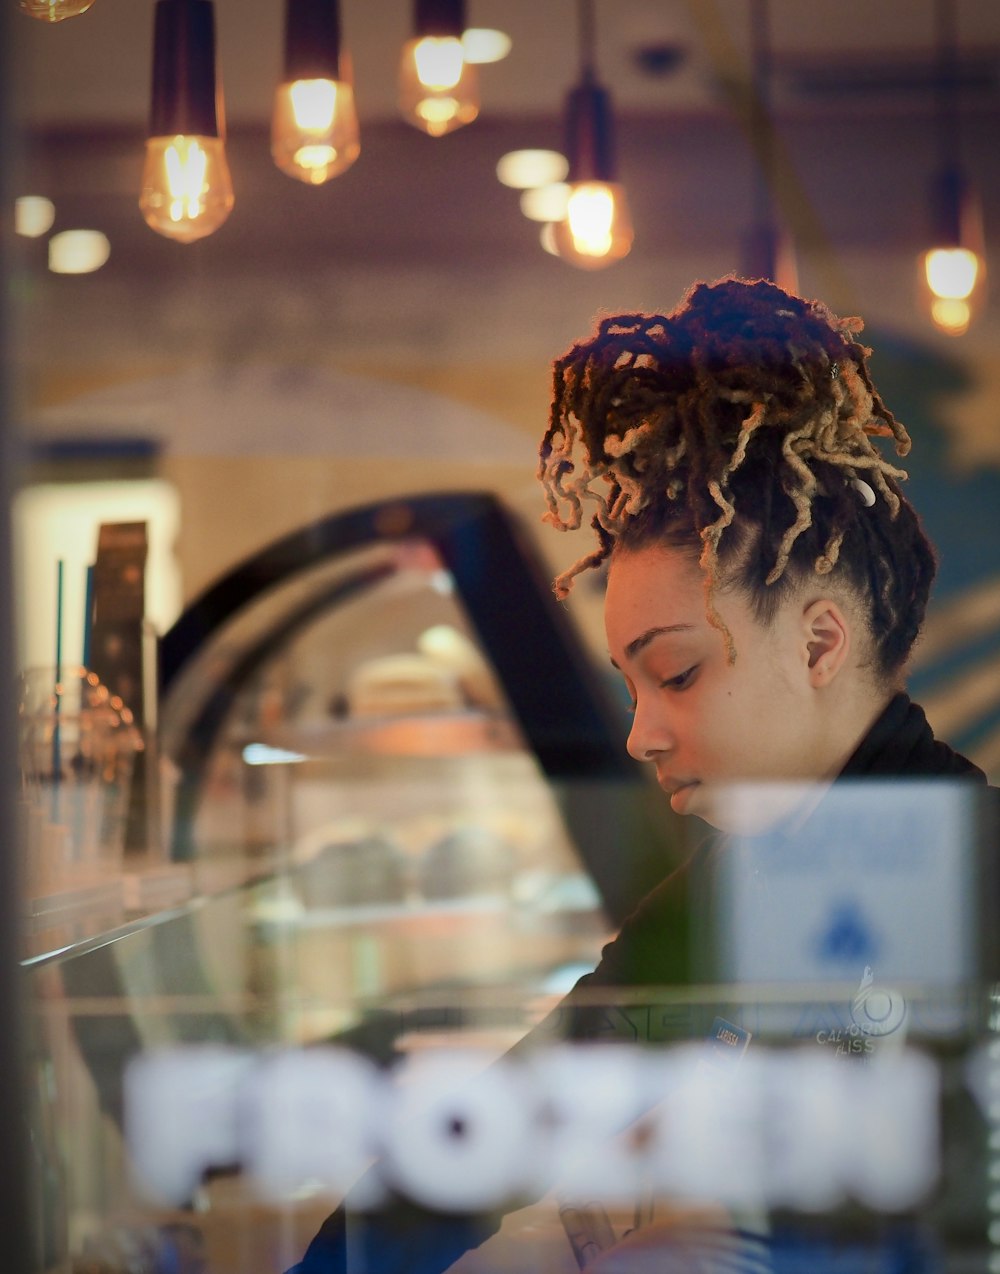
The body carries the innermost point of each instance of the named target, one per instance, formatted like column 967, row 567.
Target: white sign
column 881, row 876
column 793, row 1129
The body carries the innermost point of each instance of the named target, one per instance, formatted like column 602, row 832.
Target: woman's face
column 705, row 723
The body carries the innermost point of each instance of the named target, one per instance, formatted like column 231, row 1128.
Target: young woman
column 767, row 580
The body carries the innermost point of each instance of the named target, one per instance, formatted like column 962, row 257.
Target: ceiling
column 419, row 248
column 679, row 71
column 657, row 55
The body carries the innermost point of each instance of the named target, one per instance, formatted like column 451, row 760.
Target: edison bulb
column 187, row 191
column 951, row 273
column 54, row 10
column 590, row 211
column 314, row 129
column 33, row 215
column 439, row 61
column 953, row 282
column 951, row 315
column 438, row 89
column 597, row 228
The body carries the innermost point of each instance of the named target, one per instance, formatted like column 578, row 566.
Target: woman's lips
column 680, row 796
column 679, row 790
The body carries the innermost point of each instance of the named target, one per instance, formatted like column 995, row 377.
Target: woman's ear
column 827, row 633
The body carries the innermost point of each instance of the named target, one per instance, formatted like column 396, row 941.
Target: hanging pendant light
column 314, row 127
column 597, row 227
column 438, row 88
column 768, row 252
column 187, row 192
column 952, row 271
column 54, row 10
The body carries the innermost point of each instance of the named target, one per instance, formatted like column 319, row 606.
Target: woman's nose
column 650, row 735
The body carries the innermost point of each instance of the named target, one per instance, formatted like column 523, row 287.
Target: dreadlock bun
column 742, row 425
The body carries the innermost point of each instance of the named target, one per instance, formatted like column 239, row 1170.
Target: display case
column 393, row 791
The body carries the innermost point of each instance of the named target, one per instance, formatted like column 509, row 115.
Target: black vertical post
column 14, row 1190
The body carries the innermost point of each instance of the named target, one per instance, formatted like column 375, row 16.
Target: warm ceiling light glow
column 437, row 113
column 547, row 238
column 54, row 10
column 187, row 191
column 546, row 203
column 33, row 215
column 597, row 229
column 525, row 169
column 952, row 269
column 951, row 316
column 951, row 272
column 438, row 86
column 314, row 129
column 481, row 45
column 314, row 123
column 590, row 211
column 439, row 61
column 313, row 102
column 78, row 251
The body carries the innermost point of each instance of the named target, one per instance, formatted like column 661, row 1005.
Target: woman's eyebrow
column 643, row 640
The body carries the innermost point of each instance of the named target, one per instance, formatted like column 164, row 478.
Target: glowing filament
column 951, row 272
column 314, row 129
column 314, row 103
column 185, row 165
column 55, row 10
column 186, row 188
column 590, row 213
column 439, row 62
column 438, row 91
column 951, row 316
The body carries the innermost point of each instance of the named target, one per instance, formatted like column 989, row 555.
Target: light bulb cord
column 760, row 110
column 587, row 36
column 946, row 39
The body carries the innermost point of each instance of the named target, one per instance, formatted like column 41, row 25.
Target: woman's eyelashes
column 681, row 681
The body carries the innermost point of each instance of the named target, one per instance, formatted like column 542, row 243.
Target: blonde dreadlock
column 745, row 409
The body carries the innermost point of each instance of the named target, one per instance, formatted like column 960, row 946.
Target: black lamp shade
column 312, row 40
column 184, row 98
column 439, row 18
column 590, row 134
column 761, row 245
column 955, row 214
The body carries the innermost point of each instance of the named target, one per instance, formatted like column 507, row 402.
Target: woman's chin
column 751, row 809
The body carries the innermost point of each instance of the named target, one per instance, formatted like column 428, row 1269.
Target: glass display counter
column 389, row 721
column 388, row 770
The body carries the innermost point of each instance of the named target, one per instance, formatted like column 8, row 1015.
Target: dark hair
column 740, row 425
